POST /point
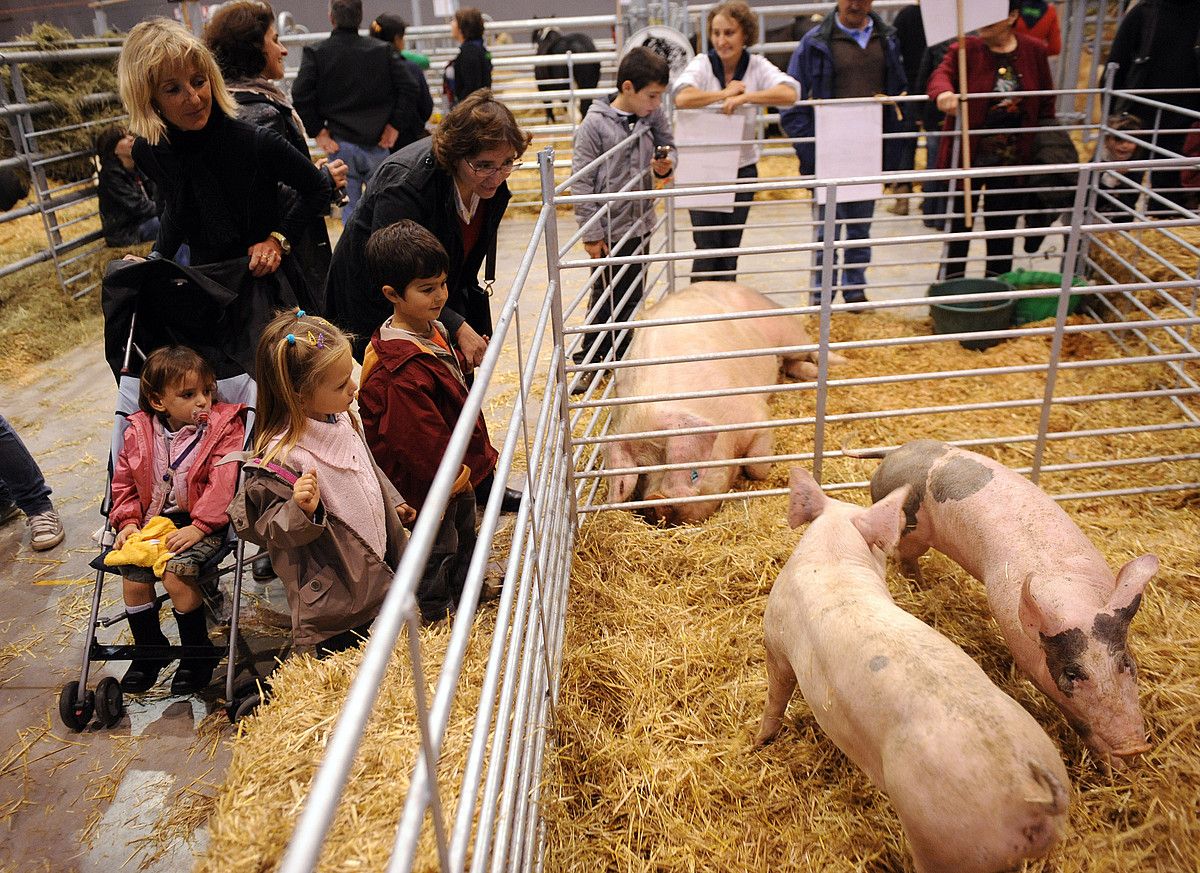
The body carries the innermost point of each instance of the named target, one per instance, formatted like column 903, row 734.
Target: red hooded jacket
column 409, row 402
column 210, row 487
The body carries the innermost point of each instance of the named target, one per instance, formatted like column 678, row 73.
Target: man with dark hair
column 356, row 93
column 852, row 53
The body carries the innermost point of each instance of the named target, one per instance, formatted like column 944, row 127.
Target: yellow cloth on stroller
column 145, row 548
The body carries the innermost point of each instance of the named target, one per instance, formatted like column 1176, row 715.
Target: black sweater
column 220, row 187
column 1173, row 62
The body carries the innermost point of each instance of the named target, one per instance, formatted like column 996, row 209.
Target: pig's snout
column 664, row 514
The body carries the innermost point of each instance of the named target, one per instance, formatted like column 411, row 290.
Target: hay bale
column 63, row 82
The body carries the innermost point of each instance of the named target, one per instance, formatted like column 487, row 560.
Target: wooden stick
column 965, row 114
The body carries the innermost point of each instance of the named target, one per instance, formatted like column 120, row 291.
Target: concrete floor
column 99, row 799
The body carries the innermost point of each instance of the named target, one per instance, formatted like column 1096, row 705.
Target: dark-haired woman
column 454, row 184
column 471, row 70
column 245, row 42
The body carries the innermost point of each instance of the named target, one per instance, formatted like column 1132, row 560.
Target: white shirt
column 761, row 75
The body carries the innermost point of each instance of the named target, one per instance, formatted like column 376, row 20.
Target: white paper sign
column 939, row 17
column 850, row 143
column 709, row 145
column 444, row 8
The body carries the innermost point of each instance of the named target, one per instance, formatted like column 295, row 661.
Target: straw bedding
column 650, row 765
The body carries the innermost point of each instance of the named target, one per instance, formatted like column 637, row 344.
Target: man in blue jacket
column 852, row 53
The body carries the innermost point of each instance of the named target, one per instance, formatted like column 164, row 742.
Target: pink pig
column 1064, row 616
column 702, row 298
column 976, row 783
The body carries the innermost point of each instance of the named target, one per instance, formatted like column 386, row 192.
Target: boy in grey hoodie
column 622, row 228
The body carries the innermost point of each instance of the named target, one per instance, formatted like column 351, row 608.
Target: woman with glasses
column 454, row 184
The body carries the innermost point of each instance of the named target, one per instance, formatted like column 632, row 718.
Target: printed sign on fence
column 709, row 144
column 939, row 17
column 850, row 143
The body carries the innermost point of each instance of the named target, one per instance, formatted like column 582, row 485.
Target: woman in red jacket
column 999, row 61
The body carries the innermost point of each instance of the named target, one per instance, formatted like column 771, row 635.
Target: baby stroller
column 218, row 310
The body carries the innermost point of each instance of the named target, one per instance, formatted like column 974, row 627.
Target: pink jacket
column 210, row 487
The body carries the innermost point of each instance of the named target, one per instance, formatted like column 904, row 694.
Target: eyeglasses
column 487, row 171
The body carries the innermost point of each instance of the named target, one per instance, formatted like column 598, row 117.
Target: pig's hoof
column 767, row 732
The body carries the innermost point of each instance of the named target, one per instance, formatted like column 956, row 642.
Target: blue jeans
column 854, row 223
column 21, row 479
column 361, row 162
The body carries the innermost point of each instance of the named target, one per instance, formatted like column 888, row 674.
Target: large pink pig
column 702, row 298
column 976, row 783
column 1064, row 616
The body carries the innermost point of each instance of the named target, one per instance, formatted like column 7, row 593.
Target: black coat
column 423, row 107
column 126, row 202
column 472, row 71
column 218, row 309
column 410, row 184
column 220, row 186
column 311, row 249
column 353, row 86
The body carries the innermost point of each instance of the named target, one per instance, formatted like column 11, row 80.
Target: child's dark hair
column 642, row 67
column 169, row 366
column 404, row 251
column 106, row 142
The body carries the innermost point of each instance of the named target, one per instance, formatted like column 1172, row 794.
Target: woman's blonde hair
column 294, row 353
column 152, row 48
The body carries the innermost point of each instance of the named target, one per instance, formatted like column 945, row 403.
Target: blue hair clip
column 291, row 339
column 300, row 313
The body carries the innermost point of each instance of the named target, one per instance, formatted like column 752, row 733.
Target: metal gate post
column 554, row 284
column 1060, row 320
column 828, row 252
column 21, row 125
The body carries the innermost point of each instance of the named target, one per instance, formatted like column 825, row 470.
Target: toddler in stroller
column 167, row 468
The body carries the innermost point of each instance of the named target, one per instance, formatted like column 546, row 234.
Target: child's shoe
column 143, row 672
column 194, row 674
column 45, row 530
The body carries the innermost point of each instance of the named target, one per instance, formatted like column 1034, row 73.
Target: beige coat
column 333, row 580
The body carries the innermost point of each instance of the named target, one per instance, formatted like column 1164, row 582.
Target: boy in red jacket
column 167, row 468
column 412, row 393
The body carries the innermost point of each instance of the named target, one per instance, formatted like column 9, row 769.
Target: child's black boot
column 194, row 674
column 143, row 672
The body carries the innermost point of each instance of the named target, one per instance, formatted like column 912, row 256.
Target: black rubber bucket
column 969, row 316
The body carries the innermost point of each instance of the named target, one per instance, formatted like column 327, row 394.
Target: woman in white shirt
column 729, row 79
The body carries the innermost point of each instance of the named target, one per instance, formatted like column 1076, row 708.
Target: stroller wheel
column 245, row 706
column 110, row 704
column 75, row 714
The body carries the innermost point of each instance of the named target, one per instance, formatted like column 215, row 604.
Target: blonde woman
column 219, row 176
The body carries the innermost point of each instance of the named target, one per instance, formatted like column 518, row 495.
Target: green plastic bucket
column 969, row 316
column 1038, row 308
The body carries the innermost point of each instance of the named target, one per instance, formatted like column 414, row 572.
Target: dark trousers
column 719, row 236
column 616, row 293
column 21, row 480
column 1004, row 194
column 340, row 642
column 441, row 585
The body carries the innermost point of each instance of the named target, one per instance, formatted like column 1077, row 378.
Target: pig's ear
column 807, row 500
column 617, row 455
column 1037, row 611
column 882, row 524
column 1131, row 582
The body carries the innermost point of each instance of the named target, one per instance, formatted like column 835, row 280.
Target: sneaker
column 8, row 511
column 46, row 530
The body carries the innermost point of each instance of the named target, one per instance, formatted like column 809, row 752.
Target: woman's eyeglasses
column 487, row 170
